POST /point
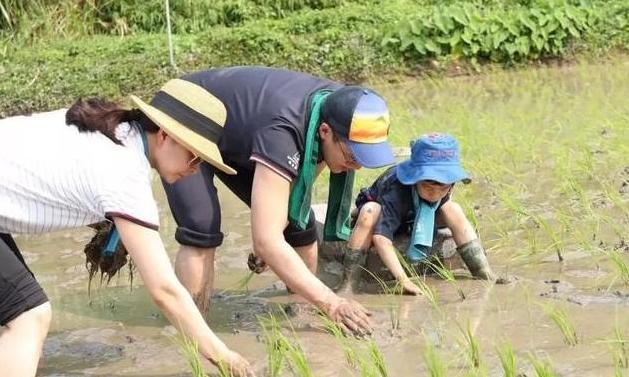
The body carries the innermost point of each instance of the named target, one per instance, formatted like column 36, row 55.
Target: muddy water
column 117, row 331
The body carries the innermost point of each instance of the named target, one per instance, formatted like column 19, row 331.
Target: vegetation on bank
column 55, row 51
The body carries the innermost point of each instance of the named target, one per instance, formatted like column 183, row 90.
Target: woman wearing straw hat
column 413, row 196
column 282, row 129
column 97, row 167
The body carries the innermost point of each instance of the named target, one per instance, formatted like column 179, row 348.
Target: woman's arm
column 269, row 213
column 147, row 251
column 388, row 255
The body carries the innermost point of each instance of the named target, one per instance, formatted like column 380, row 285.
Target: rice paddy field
column 548, row 151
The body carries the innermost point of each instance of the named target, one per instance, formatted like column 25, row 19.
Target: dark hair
column 97, row 114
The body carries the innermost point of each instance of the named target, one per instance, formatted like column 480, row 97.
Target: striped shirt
column 54, row 177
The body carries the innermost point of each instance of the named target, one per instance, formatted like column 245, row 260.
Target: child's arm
column 388, row 255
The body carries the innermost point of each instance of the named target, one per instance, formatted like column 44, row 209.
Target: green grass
column 55, row 52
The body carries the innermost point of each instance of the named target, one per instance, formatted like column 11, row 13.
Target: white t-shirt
column 54, row 177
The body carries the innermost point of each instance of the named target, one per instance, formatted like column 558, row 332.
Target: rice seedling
column 393, row 305
column 242, row 283
column 620, row 347
column 294, row 353
column 543, row 368
column 298, row 361
column 377, row 358
column 447, row 275
column 557, row 241
column 621, row 267
column 275, row 344
column 351, row 356
column 560, row 318
column 435, row 365
column 425, row 289
column 507, row 360
column 471, row 346
column 190, row 350
column 280, row 349
column 223, row 370
column 366, row 370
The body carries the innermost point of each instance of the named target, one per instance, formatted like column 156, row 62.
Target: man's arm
column 269, row 214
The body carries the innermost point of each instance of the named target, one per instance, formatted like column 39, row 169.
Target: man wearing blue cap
column 415, row 192
column 281, row 129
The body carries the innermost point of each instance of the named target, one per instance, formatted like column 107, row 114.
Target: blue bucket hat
column 434, row 157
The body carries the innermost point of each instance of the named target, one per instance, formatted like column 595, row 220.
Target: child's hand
column 410, row 288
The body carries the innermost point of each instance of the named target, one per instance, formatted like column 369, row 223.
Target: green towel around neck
column 337, row 218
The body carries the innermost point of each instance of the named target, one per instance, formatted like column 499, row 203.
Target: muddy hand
column 350, row 316
column 256, row 264
column 235, row 365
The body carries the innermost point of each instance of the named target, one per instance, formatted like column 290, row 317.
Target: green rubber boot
column 475, row 259
column 353, row 264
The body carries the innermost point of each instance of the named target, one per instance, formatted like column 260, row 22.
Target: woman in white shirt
column 61, row 170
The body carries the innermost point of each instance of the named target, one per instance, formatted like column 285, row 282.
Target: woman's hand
column 234, row 365
column 147, row 250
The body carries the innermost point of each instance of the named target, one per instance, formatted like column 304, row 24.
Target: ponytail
column 96, row 114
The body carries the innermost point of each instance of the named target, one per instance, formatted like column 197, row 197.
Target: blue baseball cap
column 361, row 118
column 434, row 157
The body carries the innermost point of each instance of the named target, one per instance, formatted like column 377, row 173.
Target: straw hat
column 192, row 116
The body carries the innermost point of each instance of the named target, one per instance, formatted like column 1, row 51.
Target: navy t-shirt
column 396, row 200
column 266, row 114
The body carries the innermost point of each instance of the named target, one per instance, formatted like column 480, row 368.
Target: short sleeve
column 394, row 207
column 279, row 147
column 125, row 191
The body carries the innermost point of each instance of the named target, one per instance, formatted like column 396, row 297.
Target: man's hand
column 234, row 365
column 349, row 315
column 410, row 288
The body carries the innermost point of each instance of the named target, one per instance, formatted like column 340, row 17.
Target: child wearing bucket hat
column 90, row 164
column 416, row 192
column 282, row 128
